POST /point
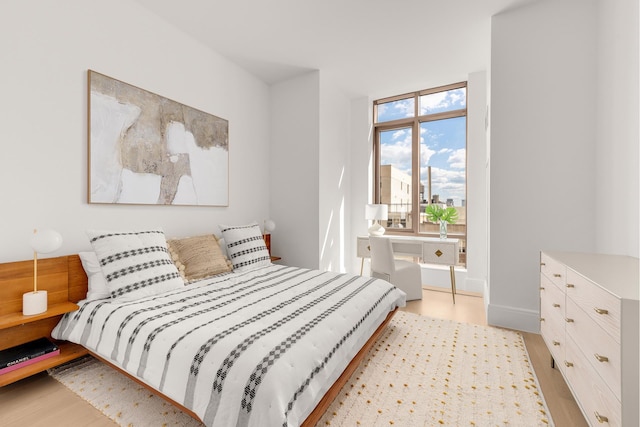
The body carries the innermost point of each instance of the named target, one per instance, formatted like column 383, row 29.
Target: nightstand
column 17, row 329
column 267, row 241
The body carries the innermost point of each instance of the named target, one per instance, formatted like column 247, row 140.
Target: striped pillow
column 135, row 264
column 245, row 246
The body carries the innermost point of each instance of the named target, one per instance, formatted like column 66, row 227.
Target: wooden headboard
column 63, row 278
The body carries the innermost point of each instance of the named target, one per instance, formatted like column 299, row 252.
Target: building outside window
column 420, row 147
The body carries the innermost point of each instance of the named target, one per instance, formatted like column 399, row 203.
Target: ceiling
column 371, row 48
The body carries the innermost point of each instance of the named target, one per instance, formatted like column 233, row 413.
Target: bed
column 266, row 345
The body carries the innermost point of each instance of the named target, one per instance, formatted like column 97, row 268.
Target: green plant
column 436, row 213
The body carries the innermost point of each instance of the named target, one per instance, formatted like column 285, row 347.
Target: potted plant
column 438, row 214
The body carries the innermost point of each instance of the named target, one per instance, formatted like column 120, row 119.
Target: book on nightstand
column 26, row 354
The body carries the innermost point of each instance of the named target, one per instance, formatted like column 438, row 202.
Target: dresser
column 589, row 320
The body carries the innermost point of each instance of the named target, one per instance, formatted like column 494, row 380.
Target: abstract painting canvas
column 147, row 149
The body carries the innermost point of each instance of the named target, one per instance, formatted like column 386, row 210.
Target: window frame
column 414, row 123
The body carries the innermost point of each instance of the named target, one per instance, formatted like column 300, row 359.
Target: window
column 420, row 147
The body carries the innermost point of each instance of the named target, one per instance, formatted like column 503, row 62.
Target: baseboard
column 439, row 276
column 475, row 285
column 513, row 318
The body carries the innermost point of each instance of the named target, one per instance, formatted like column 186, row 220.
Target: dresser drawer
column 553, row 269
column 551, row 296
column 553, row 336
column 440, row 253
column 599, row 348
column 600, row 305
column 552, row 318
column 591, row 393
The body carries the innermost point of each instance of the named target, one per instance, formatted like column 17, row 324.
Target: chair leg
column 453, row 283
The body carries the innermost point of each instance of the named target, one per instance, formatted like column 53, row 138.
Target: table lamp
column 269, row 226
column 376, row 213
column 43, row 242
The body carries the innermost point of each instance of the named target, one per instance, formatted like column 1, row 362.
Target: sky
column 442, row 142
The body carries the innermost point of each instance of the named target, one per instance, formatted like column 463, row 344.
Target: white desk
column 431, row 250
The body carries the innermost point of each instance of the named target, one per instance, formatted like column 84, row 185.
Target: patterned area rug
column 421, row 372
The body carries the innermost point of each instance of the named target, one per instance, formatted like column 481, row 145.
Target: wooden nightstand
column 17, row 329
column 267, row 241
column 65, row 282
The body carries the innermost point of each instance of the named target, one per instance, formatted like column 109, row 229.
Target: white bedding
column 258, row 348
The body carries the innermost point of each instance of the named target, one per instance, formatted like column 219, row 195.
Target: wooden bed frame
column 66, row 283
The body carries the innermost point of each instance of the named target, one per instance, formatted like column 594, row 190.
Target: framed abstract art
column 147, row 149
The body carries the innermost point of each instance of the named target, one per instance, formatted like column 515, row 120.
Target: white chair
column 405, row 275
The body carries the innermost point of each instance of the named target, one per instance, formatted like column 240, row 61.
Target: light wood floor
column 42, row 401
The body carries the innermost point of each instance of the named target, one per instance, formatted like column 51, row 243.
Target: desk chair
column 404, row 275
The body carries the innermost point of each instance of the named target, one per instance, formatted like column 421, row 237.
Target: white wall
column 295, row 171
column 477, row 234
column 543, row 148
column 334, row 177
column 47, row 48
column 616, row 199
column 361, row 157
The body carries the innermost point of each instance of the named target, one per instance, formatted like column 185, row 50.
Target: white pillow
column 135, row 264
column 223, row 247
column 97, row 283
column 245, row 246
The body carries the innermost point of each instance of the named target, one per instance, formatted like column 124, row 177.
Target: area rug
column 421, row 372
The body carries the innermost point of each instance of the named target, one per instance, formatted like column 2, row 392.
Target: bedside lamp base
column 34, row 303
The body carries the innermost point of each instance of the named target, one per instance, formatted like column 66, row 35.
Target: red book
column 29, row 361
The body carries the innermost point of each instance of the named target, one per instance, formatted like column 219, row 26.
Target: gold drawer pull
column 568, row 320
column 557, row 275
column 601, row 310
column 542, row 319
column 601, row 358
column 568, row 364
column 570, row 285
column 542, row 264
column 542, row 288
column 601, row 418
column 556, row 305
column 368, row 247
column 556, row 342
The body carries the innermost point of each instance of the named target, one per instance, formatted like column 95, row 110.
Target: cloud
column 458, row 159
column 397, row 152
column 443, row 101
column 395, row 110
column 448, row 184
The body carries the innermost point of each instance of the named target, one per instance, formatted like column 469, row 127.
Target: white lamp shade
column 45, row 241
column 376, row 212
column 269, row 225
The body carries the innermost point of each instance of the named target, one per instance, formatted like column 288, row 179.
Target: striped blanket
column 258, row 348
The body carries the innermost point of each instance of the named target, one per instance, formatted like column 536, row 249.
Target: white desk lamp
column 376, row 213
column 43, row 242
